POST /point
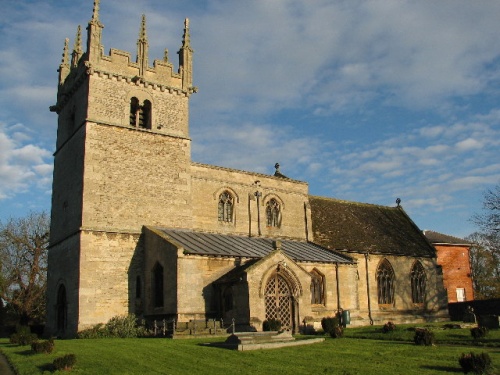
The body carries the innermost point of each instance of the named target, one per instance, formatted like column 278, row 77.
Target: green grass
column 355, row 354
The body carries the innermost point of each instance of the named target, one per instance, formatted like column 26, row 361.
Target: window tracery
column 226, row 207
column 317, row 288
column 418, row 281
column 273, row 213
column 385, row 283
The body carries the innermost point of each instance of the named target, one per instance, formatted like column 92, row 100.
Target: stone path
column 5, row 368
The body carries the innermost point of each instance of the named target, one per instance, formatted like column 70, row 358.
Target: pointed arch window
column 273, row 213
column 140, row 115
column 157, row 285
column 226, row 207
column 418, row 281
column 317, row 288
column 385, row 283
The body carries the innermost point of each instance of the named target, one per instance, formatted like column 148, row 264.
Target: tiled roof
column 361, row 227
column 436, row 237
column 224, row 245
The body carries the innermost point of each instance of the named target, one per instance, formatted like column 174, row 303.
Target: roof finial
column 142, row 48
column 95, row 11
column 398, row 202
column 64, row 66
column 65, row 56
column 186, row 38
column 142, row 31
column 277, row 173
column 77, row 48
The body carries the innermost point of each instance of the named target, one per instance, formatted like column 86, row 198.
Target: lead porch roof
column 224, row 245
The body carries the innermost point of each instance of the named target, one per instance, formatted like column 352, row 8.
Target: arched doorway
column 279, row 301
column 61, row 309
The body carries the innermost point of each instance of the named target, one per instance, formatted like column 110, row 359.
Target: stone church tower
column 122, row 161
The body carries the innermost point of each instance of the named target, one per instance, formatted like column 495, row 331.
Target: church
column 137, row 227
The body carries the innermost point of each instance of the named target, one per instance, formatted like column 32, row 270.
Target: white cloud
column 21, row 165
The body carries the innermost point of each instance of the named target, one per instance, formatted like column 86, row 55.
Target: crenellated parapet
column 77, row 67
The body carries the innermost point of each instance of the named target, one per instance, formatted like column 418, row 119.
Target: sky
column 366, row 101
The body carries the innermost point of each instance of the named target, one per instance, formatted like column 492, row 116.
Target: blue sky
column 365, row 100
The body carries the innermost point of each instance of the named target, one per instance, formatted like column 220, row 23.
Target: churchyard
column 364, row 350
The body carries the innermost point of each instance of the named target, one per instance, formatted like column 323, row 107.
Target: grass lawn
column 363, row 351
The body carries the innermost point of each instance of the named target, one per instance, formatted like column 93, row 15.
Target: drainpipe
column 368, row 289
column 338, row 285
column 258, row 194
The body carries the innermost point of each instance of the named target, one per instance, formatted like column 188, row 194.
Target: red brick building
column 453, row 257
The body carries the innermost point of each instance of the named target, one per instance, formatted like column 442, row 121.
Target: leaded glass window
column 417, row 277
column 273, row 213
column 385, row 283
column 226, row 207
column 317, row 288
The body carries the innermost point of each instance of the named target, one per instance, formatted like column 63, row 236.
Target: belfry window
column 226, row 207
column 140, row 115
column 385, row 283
column 157, row 285
column 273, row 213
column 317, row 288
column 417, row 278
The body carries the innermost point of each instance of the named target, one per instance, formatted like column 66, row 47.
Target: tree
column 23, row 265
column 485, row 252
column 489, row 220
column 485, row 265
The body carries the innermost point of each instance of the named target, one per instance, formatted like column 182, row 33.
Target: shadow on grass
column 27, row 352
column 47, row 367
column 443, row 369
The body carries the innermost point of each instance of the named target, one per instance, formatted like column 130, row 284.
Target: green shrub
column 125, row 326
column 43, row 346
column 23, row 336
column 329, row 324
column 388, row 327
column 64, row 363
column 478, row 332
column 475, row 363
column 271, row 325
column 337, row 332
column 424, row 336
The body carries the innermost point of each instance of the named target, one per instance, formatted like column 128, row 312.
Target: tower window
column 225, row 208
column 140, row 115
column 273, row 213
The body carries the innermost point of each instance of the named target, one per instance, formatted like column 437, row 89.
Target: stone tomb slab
column 263, row 340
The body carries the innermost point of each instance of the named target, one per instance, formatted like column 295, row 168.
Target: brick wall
column 454, row 259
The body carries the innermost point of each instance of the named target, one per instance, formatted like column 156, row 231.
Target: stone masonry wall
column 64, row 262
column 403, row 308
column 106, row 272
column 135, row 178
column 208, row 182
